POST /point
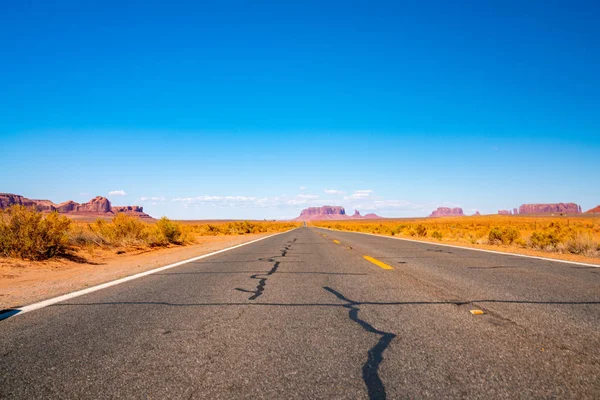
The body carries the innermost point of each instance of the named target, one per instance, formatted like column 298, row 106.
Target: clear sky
column 258, row 109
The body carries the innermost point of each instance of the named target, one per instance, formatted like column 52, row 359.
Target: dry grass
column 29, row 234
column 568, row 235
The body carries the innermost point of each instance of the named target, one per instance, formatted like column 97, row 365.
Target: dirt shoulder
column 26, row 282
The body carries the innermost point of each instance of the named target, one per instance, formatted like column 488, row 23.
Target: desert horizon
column 299, row 200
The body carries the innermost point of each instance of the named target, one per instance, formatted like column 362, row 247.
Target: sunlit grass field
column 579, row 235
column 29, row 234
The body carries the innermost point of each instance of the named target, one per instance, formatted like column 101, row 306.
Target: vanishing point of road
column 319, row 314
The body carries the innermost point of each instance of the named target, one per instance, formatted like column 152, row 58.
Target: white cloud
column 388, row 204
column 152, row 198
column 303, row 188
column 359, row 194
column 307, row 196
column 334, row 192
column 247, row 201
column 117, row 193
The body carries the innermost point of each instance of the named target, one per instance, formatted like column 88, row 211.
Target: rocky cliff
column 97, row 206
column 447, row 212
column 555, row 208
column 330, row 213
column 504, row 212
column 595, row 210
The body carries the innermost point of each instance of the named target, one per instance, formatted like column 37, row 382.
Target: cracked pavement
column 297, row 316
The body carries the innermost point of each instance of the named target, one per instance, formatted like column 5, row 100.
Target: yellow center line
column 378, row 263
column 336, row 241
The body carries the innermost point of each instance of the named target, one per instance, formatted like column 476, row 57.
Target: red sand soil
column 25, row 282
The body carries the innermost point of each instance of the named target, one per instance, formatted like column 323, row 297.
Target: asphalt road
column 303, row 315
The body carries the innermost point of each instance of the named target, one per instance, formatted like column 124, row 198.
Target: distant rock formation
column 515, row 211
column 127, row 209
column 595, row 210
column 330, row 213
column 97, row 206
column 504, row 212
column 371, row 216
column 557, row 208
column 477, row 213
column 447, row 212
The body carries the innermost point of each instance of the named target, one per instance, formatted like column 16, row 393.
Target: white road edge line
column 36, row 306
column 467, row 248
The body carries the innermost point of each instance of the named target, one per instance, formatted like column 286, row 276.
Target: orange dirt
column 25, row 282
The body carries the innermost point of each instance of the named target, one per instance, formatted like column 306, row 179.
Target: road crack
column 370, row 369
column 263, row 277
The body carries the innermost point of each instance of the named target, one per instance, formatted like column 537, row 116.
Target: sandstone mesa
column 559, row 208
column 99, row 206
column 447, row 212
column 330, row 213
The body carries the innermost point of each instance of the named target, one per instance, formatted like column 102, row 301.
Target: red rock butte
column 330, row 213
column 557, row 208
column 99, row 206
column 447, row 212
column 595, row 210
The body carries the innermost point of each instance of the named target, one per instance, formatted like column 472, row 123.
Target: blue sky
column 259, row 109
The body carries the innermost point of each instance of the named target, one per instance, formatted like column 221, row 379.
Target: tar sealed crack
column 263, row 277
column 370, row 369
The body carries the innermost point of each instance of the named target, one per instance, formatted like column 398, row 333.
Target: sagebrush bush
column 125, row 231
column 122, row 231
column 240, row 228
column 545, row 240
column 421, row 230
column 169, row 230
column 29, row 234
column 581, row 243
column 506, row 235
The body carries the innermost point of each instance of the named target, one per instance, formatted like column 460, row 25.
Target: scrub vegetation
column 29, row 234
column 567, row 235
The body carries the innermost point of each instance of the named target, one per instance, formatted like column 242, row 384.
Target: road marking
column 477, row 312
column 469, row 248
column 42, row 304
column 378, row 263
column 336, row 241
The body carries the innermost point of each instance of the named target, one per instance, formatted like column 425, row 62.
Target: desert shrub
column 240, row 228
column 544, row 240
column 85, row 236
column 421, row 230
column 506, row 235
column 437, row 235
column 170, row 230
column 123, row 230
column 29, row 234
column 581, row 243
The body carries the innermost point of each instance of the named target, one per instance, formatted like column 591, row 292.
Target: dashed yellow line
column 336, row 241
column 378, row 263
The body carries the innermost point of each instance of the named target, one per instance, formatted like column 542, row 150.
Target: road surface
column 304, row 315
